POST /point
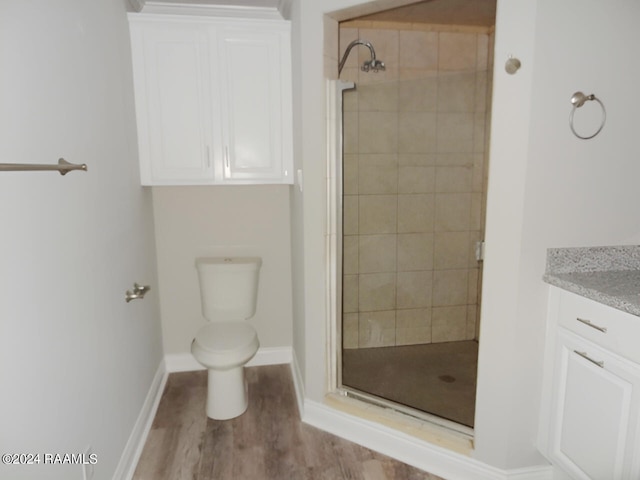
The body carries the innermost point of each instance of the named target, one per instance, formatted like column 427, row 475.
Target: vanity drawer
column 606, row 326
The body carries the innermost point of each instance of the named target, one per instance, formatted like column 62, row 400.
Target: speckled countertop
column 608, row 275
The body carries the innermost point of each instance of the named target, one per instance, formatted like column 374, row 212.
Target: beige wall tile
column 454, row 179
column 378, row 97
column 454, row 159
column 350, row 254
column 415, row 141
column 413, row 336
column 417, row 159
column 417, row 132
column 415, row 251
column 350, row 214
column 418, row 93
column 455, row 132
column 475, row 220
column 482, row 62
column 418, row 49
column 416, row 213
column 477, row 183
column 457, row 92
column 377, row 253
column 350, row 330
column 378, row 174
column 451, row 250
column 377, row 329
column 413, row 326
column 449, row 324
column 377, row 292
column 413, row 318
column 472, row 320
column 457, row 51
column 481, row 92
column 452, row 212
column 349, row 99
column 377, row 132
column 350, row 174
column 350, row 74
column 472, row 298
column 350, row 294
column 412, row 179
column 377, row 214
column 414, row 289
column 450, row 287
column 350, row 132
column 479, row 132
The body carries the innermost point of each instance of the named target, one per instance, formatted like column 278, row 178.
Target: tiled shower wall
column 414, row 184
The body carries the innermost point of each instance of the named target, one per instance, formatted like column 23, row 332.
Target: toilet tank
column 228, row 287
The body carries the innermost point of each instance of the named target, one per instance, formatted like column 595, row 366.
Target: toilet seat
column 222, row 345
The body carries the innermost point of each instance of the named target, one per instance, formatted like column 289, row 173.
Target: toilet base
column 227, row 393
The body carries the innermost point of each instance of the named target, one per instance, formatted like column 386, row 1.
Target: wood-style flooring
column 267, row 442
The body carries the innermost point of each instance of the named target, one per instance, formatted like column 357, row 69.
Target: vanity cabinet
column 213, row 99
column 590, row 428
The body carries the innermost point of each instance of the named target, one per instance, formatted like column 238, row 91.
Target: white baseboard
column 298, row 383
column 411, row 450
column 184, row 362
column 131, row 454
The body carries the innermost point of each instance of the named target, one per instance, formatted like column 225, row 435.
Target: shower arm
column 348, row 50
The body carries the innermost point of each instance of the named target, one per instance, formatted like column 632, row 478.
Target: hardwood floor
column 267, row 442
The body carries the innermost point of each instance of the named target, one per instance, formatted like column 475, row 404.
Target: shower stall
column 415, row 134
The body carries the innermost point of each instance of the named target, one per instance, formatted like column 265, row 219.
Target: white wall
column 76, row 361
column 547, row 189
column 192, row 222
column 568, row 192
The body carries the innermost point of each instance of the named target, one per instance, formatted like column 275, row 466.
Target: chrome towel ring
column 578, row 99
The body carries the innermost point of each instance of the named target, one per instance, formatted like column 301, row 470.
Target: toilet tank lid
column 248, row 262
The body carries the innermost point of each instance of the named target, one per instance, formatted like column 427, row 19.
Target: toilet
column 228, row 292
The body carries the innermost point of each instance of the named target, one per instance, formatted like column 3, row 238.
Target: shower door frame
column 333, row 249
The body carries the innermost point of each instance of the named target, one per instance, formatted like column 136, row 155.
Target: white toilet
column 228, row 290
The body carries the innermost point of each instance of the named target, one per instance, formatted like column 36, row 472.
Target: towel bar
column 63, row 167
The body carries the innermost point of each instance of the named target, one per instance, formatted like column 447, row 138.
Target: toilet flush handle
column 139, row 291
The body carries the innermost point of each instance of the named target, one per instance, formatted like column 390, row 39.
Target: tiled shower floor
column 438, row 378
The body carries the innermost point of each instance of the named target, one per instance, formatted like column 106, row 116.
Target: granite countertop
column 608, row 275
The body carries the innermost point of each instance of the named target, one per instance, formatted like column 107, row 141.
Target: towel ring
column 579, row 99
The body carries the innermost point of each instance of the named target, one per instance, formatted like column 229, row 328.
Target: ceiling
column 441, row 12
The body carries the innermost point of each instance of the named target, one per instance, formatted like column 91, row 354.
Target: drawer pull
column 588, row 323
column 587, row 357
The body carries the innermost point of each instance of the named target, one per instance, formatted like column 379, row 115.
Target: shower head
column 372, row 64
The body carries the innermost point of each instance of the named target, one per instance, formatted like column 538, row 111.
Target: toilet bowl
column 224, row 348
column 228, row 289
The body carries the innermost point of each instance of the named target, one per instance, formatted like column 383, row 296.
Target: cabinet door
column 173, row 102
column 255, row 78
column 595, row 415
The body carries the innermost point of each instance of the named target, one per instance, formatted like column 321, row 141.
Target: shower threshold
column 408, row 413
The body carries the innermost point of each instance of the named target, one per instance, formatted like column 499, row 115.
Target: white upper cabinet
column 213, row 99
column 255, row 86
